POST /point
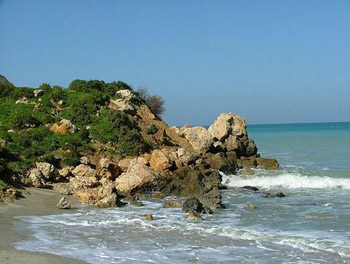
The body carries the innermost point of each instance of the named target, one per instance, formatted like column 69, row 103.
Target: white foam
column 288, row 180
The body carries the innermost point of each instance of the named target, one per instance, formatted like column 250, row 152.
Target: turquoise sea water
column 310, row 225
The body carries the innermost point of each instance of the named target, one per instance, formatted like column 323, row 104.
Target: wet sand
column 36, row 202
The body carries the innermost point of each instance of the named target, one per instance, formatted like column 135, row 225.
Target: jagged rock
column 142, row 161
column 192, row 205
column 63, row 188
column 36, row 178
column 250, row 149
column 86, row 196
column 84, row 160
column 83, row 170
column 104, row 163
column 124, row 163
column 219, row 162
column 267, row 164
column 106, row 174
column 109, row 201
column 172, row 204
column 64, row 203
column 65, row 172
column 83, row 182
column 160, row 161
column 199, row 137
column 186, row 157
column 47, row 170
column 137, row 176
column 228, row 124
column 124, row 103
column 63, row 127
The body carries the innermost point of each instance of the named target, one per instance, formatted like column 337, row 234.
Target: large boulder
column 137, row 176
column 228, row 124
column 199, row 137
column 36, row 178
column 123, row 103
column 63, row 127
column 64, row 203
column 160, row 161
column 47, row 170
column 84, row 170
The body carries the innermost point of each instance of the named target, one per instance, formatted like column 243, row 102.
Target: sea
column 311, row 224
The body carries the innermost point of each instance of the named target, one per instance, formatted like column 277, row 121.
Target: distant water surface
column 310, row 225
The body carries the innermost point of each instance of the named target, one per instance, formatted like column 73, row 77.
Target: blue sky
column 269, row 61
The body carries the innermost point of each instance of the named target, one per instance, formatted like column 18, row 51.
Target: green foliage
column 6, row 90
column 57, row 93
column 153, row 129
column 154, row 102
column 116, row 127
column 24, row 120
column 45, row 87
column 20, row 92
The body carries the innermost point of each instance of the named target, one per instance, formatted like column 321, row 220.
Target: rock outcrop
column 63, row 127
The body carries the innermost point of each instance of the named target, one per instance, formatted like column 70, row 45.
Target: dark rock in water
column 64, row 203
column 251, row 207
column 280, row 194
column 203, row 184
column 172, row 204
column 267, row 164
column 194, row 216
column 266, row 195
column 192, row 205
column 148, row 217
column 252, row 188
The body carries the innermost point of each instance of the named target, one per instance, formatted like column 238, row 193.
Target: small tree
column 154, row 102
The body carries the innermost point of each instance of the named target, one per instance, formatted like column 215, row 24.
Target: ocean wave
column 288, row 180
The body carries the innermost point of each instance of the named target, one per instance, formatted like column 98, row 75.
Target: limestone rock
column 136, row 177
column 109, row 201
column 124, row 163
column 280, row 194
column 83, row 170
column 104, row 163
column 63, row 127
column 38, row 93
column 124, row 103
column 84, row 160
column 65, row 171
column 148, row 217
column 47, row 170
column 228, row 124
column 83, row 182
column 36, row 178
column 64, row 203
column 2, row 142
column 199, row 137
column 160, row 161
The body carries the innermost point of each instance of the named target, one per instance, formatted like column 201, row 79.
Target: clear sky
column 269, row 61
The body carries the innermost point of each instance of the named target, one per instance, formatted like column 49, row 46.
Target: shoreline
column 36, row 202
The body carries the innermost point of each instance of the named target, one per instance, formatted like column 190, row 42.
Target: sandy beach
column 36, row 202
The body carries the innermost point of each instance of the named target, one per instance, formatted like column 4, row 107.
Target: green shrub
column 6, row 90
column 57, row 94
column 20, row 92
column 153, row 129
column 24, row 120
